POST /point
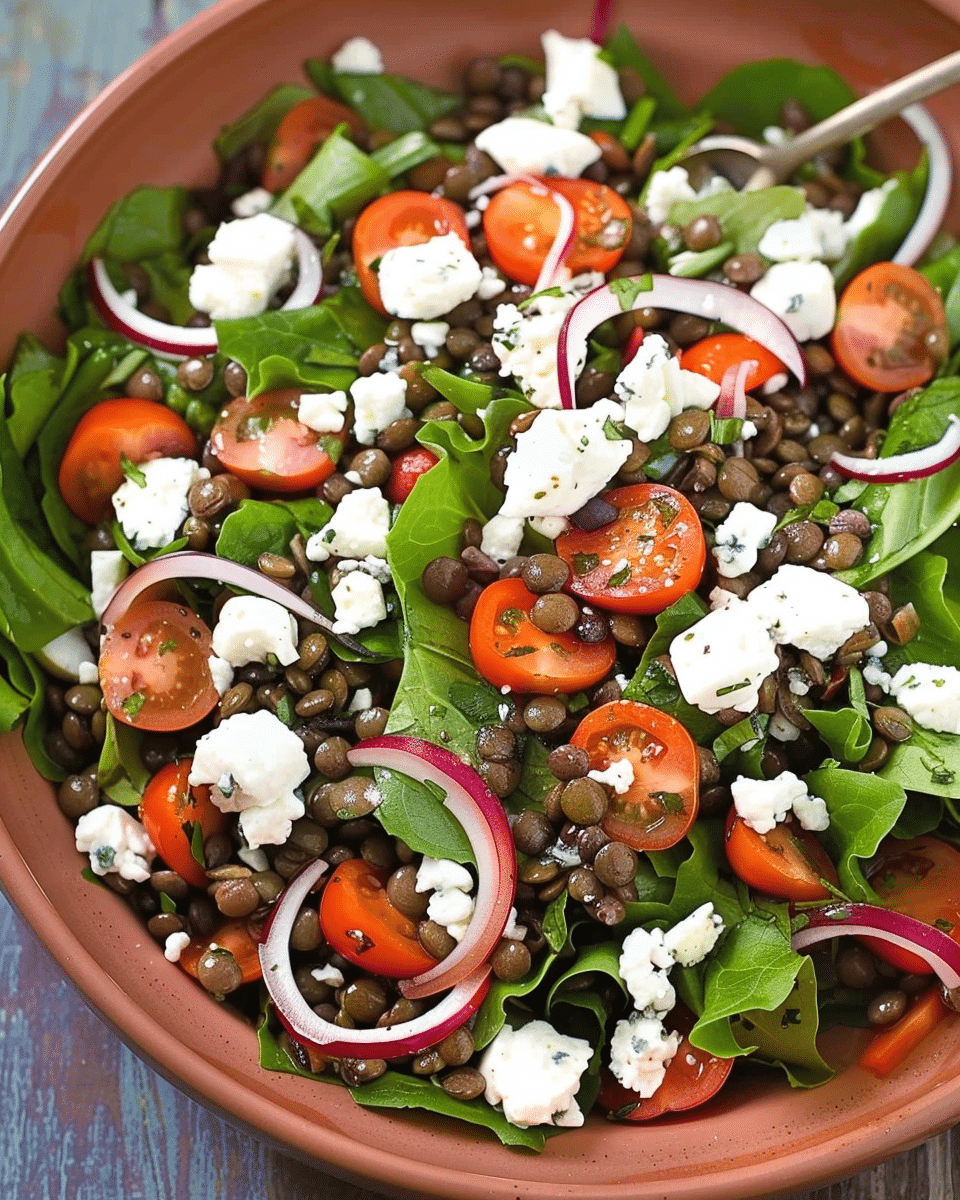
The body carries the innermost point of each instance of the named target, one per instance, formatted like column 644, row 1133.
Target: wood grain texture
column 81, row 1118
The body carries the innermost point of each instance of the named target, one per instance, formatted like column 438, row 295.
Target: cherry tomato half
column 262, row 441
column 891, row 329
column 400, row 219
column 139, row 430
column 361, row 924
column 234, row 936
column 171, row 810
column 522, row 220
column 301, row 131
column 510, row 651
column 650, row 556
column 406, row 470
column 788, row 862
column 154, row 667
column 920, row 878
column 714, row 356
column 660, row 805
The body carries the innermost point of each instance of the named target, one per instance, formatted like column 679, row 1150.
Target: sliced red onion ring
column 732, row 401
column 937, row 196
column 901, row 468
column 179, row 341
column 600, row 22
column 190, row 564
column 869, row 920
column 715, row 301
column 302, row 1023
column 481, row 815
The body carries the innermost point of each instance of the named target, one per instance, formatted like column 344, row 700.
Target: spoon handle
column 863, row 115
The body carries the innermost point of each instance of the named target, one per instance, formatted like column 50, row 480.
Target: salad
column 482, row 591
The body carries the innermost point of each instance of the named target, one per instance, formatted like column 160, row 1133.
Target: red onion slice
column 600, row 21
column 190, row 564
column 481, row 815
column 901, row 468
column 715, row 301
column 302, row 1023
column 180, row 341
column 869, row 920
column 732, row 401
column 937, row 196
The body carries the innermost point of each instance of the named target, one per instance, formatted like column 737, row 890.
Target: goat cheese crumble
column 534, row 1073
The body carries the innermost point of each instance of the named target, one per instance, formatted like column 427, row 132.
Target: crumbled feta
column 501, row 537
column 358, row 528
column 640, row 1052
column 450, row 905
column 619, row 775
column 115, row 841
column 152, row 509
column 371, row 564
column 442, row 874
column 664, row 189
column 328, row 974
column 427, row 280
column 522, row 144
column 88, row 672
column 323, row 412
column 378, row 401
column 221, row 672
column 431, row 336
column 250, row 628
column 739, row 538
column 108, row 569
column 691, row 940
column 818, row 233
column 654, row 388
column 534, row 1072
column 930, row 694
column 357, row 56
column 491, row 283
column 875, row 674
column 868, row 209
column 802, row 295
column 763, row 803
column 644, row 966
column 250, row 259
column 578, row 82
column 254, row 764
column 358, row 603
column 257, row 200
column 361, row 700
column 809, row 609
column 721, row 661
column 175, row 945
column 549, row 527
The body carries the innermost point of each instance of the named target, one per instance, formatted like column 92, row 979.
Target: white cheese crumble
column 250, row 628
column 328, row 974
column 930, row 694
column 654, row 388
column 357, row 56
column 809, row 609
column 664, row 189
column 257, row 200
column 534, row 1073
column 108, row 569
column 378, row 400
column 802, row 295
column 619, row 775
column 427, row 280
column 763, row 803
column 250, row 258
column 740, row 537
column 501, row 537
column 578, row 82
column 640, row 1052
column 721, row 661
column 522, row 144
column 358, row 528
column 358, row 603
column 450, row 904
column 644, row 966
column 692, row 939
column 151, row 509
column 323, row 412
column 221, row 672
column 431, row 336
column 175, row 945
column 115, row 841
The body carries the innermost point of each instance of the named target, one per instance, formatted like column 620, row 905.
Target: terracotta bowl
column 154, row 125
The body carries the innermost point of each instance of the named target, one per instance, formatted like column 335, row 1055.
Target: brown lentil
column 532, row 832
column 465, row 1083
column 887, row 1008
column 615, row 864
column 584, row 801
column 544, row 714
column 435, row 939
column 556, row 612
column 511, row 960
column 544, row 573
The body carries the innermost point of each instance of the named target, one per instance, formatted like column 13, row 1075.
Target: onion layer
column 901, row 468
column 937, row 196
column 481, row 815
column 732, row 401
column 302, row 1023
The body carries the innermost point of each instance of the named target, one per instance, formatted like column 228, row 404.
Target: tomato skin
column 154, row 667
column 361, row 924
column 301, row 132
column 657, row 542
column 890, row 332
column 665, row 761
column 234, row 936
column 262, row 442
column 713, row 356
column 140, row 430
column 788, row 862
column 403, row 218
column 170, row 803
column 634, row 342
column 521, row 223
column 406, row 470
column 920, row 878
column 509, row 651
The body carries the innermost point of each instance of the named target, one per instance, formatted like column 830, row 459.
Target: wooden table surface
column 81, row 1118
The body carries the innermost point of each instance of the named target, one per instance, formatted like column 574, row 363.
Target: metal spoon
column 750, row 166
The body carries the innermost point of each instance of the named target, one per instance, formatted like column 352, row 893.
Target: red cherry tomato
column 234, row 936
column 170, row 811
column 262, row 442
column 788, row 862
column 301, row 132
column 920, row 878
column 522, row 220
column 406, row 470
column 400, row 219
column 510, row 651
column 154, row 667
column 650, row 556
column 139, row 430
column 891, row 329
column 361, row 924
column 714, row 356
column 661, row 802
column 634, row 342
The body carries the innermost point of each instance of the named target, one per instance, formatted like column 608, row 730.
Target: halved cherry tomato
column 154, row 667
column 788, row 862
column 888, row 1048
column 138, row 430
column 661, row 803
column 634, row 342
column 400, row 219
column 715, row 355
column 510, row 651
column 406, row 470
column 650, row 556
column 361, row 924
column 522, row 220
column 891, row 329
column 171, row 810
column 920, row 878
column 301, row 131
column 234, row 936
column 262, row 442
